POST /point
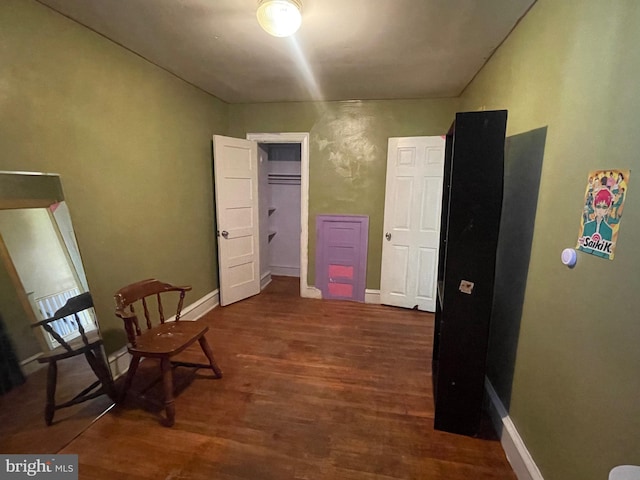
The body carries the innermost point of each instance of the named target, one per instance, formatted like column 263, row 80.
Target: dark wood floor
column 22, row 426
column 313, row 389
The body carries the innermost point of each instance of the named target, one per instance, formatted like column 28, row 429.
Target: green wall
column 131, row 142
column 347, row 154
column 575, row 399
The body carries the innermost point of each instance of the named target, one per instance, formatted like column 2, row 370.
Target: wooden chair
column 163, row 340
column 87, row 344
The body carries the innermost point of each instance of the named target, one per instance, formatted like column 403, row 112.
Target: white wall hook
column 569, row 257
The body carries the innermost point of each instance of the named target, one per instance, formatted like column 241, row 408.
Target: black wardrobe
column 471, row 206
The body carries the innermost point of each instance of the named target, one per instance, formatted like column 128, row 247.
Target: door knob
column 225, row 234
column 388, row 236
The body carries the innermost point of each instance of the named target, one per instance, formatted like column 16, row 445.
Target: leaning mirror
column 40, row 271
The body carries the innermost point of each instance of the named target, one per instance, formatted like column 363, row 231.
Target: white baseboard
column 265, row 280
column 119, row 360
column 31, row 365
column 372, row 296
column 310, row 291
column 515, row 449
column 285, row 271
column 201, row 306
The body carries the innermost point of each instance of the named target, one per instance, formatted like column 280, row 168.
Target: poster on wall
column 603, row 207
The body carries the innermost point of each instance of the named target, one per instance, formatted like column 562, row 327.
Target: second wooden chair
column 84, row 343
column 161, row 340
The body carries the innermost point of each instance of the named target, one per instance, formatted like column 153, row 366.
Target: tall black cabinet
column 471, row 206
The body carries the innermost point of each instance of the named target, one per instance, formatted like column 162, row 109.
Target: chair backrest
column 142, row 292
column 73, row 306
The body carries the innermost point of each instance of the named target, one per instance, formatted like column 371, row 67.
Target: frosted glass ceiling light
column 280, row 18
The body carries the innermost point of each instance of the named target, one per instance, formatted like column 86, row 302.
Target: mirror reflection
column 40, row 270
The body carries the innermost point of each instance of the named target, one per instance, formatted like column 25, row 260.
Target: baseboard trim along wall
column 515, row 449
column 265, row 280
column 119, row 360
column 285, row 271
column 372, row 296
column 31, row 365
column 200, row 307
column 310, row 291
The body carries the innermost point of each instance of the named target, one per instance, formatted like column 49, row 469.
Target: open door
column 236, row 190
column 412, row 209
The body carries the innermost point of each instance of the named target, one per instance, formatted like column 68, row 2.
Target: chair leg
column 207, row 351
column 133, row 366
column 52, row 378
column 167, row 383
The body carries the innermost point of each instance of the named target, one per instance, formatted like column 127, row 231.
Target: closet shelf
column 283, row 179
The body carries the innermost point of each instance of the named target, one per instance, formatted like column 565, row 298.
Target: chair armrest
column 131, row 325
column 123, row 314
column 52, row 332
column 42, row 323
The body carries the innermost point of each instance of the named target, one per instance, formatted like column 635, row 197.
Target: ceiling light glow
column 280, row 18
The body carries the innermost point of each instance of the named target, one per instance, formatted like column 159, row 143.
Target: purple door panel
column 341, row 256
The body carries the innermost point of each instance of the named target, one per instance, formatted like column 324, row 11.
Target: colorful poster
column 603, row 207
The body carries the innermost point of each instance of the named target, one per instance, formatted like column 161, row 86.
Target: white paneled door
column 236, row 190
column 413, row 201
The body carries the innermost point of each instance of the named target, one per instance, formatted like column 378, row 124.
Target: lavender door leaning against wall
column 341, row 256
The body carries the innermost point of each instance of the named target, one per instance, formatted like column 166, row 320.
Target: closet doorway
column 283, row 189
column 280, row 199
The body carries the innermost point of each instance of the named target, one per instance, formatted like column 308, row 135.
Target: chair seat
column 77, row 345
column 169, row 338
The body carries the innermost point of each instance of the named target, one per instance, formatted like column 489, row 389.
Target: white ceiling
column 345, row 49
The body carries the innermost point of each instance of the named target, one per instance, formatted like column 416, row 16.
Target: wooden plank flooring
column 22, row 426
column 313, row 389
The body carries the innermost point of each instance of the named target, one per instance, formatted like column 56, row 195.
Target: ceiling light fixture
column 280, row 18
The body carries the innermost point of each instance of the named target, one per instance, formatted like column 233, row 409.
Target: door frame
column 301, row 138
